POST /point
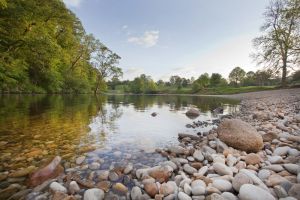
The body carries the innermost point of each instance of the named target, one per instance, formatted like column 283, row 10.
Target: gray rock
column 275, row 159
column 239, row 180
column 222, row 185
column 281, row 151
column 94, row 165
column 187, row 189
column 254, row 178
column 275, row 168
column 202, row 171
column 128, row 168
column 56, row 187
column 222, row 169
column 295, row 191
column 198, row 190
column 183, row 196
column 264, row 174
column 198, row 155
column 136, row 193
column 252, row 192
column 280, row 191
column 188, row 169
column 292, row 168
column 74, row 187
column 93, row 194
column 228, row 196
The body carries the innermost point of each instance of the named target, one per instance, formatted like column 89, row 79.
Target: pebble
column 222, row 169
column 239, row 180
column 183, row 196
column 198, row 155
column 73, row 187
column 94, row 165
column 188, row 169
column 252, row 192
column 56, row 187
column 80, row 160
column 93, row 194
column 222, row 185
column 136, row 193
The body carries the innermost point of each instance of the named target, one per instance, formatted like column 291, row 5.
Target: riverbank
column 202, row 166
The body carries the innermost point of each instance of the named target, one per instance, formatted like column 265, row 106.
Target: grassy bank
column 206, row 91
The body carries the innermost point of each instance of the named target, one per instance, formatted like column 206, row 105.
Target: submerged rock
column 52, row 170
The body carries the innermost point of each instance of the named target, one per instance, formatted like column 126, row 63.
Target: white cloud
column 148, row 39
column 132, row 72
column 72, row 3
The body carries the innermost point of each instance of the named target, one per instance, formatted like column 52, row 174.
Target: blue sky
column 174, row 37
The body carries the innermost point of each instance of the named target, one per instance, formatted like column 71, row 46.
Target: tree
column 296, row 76
column 105, row 62
column 203, row 80
column 215, row 79
column 236, row 75
column 263, row 77
column 279, row 46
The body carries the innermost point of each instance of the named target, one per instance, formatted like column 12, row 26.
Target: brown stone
column 104, row 185
column 268, row 137
column 161, row 175
column 252, row 159
column 151, row 189
column 197, row 165
column 240, row 135
column 52, row 170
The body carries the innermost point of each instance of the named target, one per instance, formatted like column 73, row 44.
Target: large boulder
column 240, row 135
column 50, row 171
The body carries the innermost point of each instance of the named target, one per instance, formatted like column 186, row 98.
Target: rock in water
column 52, row 170
column 240, row 135
column 154, row 114
column 192, row 113
column 252, row 192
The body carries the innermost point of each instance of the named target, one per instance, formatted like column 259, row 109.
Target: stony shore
column 252, row 155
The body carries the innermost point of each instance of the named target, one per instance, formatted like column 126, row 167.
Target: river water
column 116, row 129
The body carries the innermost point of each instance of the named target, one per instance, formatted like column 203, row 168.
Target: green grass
column 206, row 91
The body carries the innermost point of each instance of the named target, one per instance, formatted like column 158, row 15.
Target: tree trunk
column 283, row 78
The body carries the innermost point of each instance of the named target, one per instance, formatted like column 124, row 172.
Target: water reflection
column 34, row 128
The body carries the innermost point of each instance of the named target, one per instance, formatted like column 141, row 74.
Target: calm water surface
column 113, row 128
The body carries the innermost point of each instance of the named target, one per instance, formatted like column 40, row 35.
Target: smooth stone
column 240, row 135
column 252, row 159
column 222, row 185
column 292, row 168
column 120, row 188
column 198, row 155
column 187, row 189
column 222, row 169
column 167, row 188
column 215, row 196
column 293, row 152
column 151, row 189
column 281, row 151
column 80, row 160
column 113, row 176
column 202, row 171
column 295, row 191
column 275, row 159
column 193, row 113
column 177, row 149
column 264, row 174
column 275, row 179
column 252, row 192
column 56, row 187
column 22, row 172
column 128, row 168
column 93, row 194
column 74, row 187
column 197, row 183
column 239, row 180
column 254, row 178
column 275, row 168
column 228, row 196
column 198, row 190
column 188, row 169
column 280, row 191
column 94, row 165
column 136, row 193
column 183, row 196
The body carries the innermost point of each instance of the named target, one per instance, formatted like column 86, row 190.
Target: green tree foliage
column 142, row 85
column 237, row 75
column 215, row 79
column 296, row 76
column 279, row 46
column 44, row 48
